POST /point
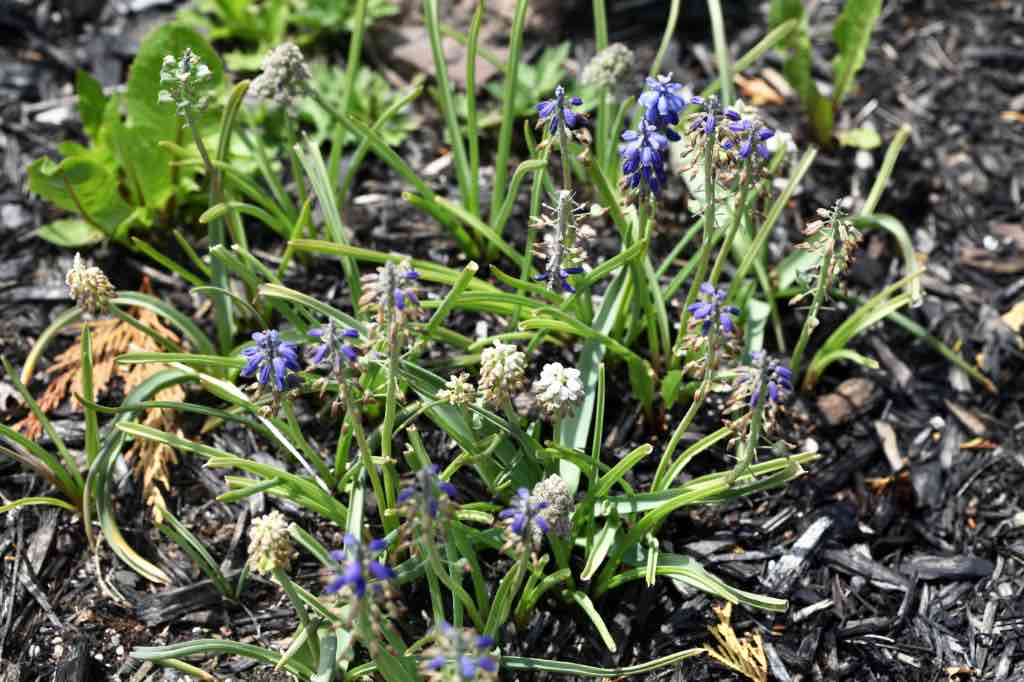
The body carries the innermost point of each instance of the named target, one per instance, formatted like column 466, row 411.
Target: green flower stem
column 737, row 220
column 750, row 445
column 666, row 38
column 605, row 144
column 282, row 579
column 721, row 51
column 563, row 151
column 387, row 428
column 704, row 255
column 665, row 464
column 296, row 433
column 436, row 598
column 812, row 314
column 436, row 568
column 221, row 303
column 502, row 604
column 289, row 130
column 365, row 454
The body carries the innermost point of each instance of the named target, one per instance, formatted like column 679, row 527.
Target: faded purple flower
column 427, row 491
column 524, row 515
column 770, row 373
column 335, row 345
column 468, row 651
column 358, row 567
column 712, row 308
column 746, row 135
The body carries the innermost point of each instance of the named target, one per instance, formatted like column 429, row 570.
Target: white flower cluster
column 270, row 545
column 559, row 390
column 502, row 372
column 458, row 390
column 88, row 286
column 559, row 505
column 184, row 81
column 284, row 72
column 607, row 68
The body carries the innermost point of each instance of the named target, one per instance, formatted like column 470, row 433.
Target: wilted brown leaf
column 757, row 91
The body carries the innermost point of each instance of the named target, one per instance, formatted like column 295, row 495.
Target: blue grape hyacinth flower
column 358, row 567
column 335, row 345
column 662, row 105
column 560, row 278
column 712, row 309
column 748, row 136
column 772, row 374
column 270, row 358
column 427, row 491
column 644, row 152
column 559, row 111
column 524, row 515
column 466, row 649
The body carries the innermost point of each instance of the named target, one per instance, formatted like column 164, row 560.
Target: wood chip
column 967, row 418
column 851, row 398
column 890, row 445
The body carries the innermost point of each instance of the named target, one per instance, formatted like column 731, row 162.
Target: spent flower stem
column 704, row 255
column 812, row 314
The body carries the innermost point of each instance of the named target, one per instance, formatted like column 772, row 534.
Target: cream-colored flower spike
column 270, row 545
column 458, row 390
column 88, row 286
column 502, row 372
column 559, row 390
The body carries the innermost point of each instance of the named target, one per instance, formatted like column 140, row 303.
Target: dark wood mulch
column 900, row 551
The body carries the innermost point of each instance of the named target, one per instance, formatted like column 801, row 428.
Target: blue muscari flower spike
column 271, row 358
column 661, row 103
column 704, row 122
column 358, row 568
column 750, row 136
column 426, row 491
column 561, row 278
column 335, row 345
column 525, row 515
column 643, row 156
column 404, row 296
column 558, row 110
column 470, row 653
column 772, row 373
column 711, row 309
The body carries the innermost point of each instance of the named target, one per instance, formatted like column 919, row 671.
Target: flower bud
column 502, row 372
column 88, row 286
column 559, row 390
column 284, row 72
column 270, row 545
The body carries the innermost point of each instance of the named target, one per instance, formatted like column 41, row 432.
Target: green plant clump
column 524, row 482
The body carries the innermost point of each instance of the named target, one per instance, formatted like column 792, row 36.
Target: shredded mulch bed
column 901, row 551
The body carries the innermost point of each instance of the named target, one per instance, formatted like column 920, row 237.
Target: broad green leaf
column 797, row 67
column 80, row 184
column 91, row 102
column 70, row 233
column 852, row 33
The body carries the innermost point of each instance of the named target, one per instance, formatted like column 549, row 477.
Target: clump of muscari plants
column 558, row 520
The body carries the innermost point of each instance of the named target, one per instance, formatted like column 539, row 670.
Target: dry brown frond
column 745, row 656
column 111, row 338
